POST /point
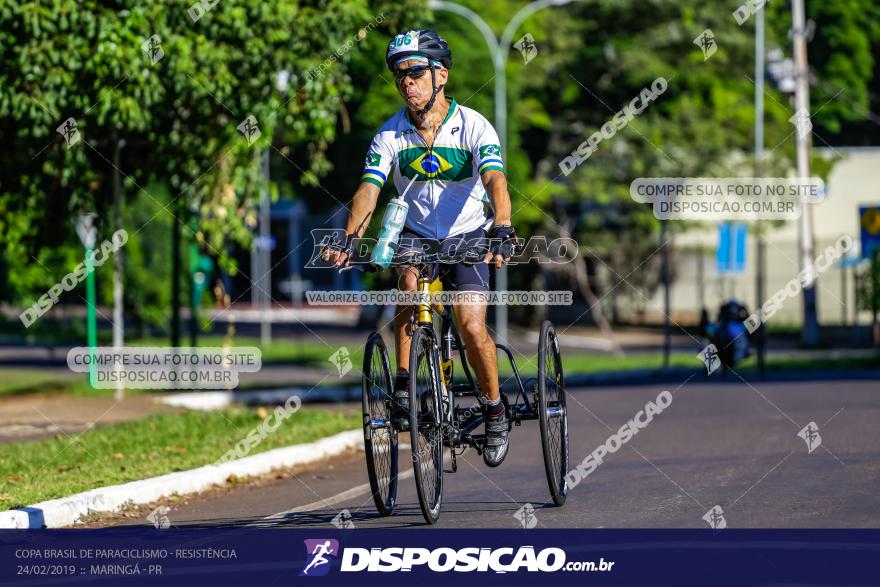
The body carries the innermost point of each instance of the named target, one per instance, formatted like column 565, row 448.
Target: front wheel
column 552, row 414
column 426, row 424
column 380, row 437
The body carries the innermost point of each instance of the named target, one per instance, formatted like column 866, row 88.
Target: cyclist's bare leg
column 480, row 347
column 408, row 281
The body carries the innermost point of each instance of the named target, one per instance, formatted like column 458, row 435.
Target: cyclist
column 454, row 155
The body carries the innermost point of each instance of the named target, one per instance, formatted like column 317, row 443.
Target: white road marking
column 363, row 489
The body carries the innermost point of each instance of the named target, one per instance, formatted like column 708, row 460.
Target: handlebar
column 469, row 256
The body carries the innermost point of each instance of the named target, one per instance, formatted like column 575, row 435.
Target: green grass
column 290, row 351
column 31, row 472
column 817, row 363
column 307, row 352
column 21, row 381
column 46, row 332
column 317, row 353
column 301, row 351
column 579, row 363
column 15, row 381
column 587, row 364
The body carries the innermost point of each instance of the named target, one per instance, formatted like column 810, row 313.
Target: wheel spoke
column 382, row 448
column 554, row 420
column 552, row 396
column 427, row 433
column 379, row 434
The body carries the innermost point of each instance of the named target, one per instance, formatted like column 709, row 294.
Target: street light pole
column 118, row 316
column 88, row 234
column 499, row 51
column 760, row 251
column 805, row 222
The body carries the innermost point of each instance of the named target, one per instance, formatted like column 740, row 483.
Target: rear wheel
column 380, row 437
column 426, row 430
column 552, row 414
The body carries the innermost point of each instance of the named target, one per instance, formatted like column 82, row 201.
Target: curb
column 66, row 511
column 214, row 400
column 679, row 374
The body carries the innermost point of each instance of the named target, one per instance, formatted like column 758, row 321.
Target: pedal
column 400, row 425
column 453, row 463
column 512, row 417
column 479, row 443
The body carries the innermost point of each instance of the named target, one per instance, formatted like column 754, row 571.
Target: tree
column 175, row 90
column 843, row 60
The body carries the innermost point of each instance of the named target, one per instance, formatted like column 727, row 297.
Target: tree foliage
column 178, row 117
column 175, row 117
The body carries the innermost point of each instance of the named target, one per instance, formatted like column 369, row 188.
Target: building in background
column 854, row 181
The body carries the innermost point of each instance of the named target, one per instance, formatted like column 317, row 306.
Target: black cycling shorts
column 454, row 276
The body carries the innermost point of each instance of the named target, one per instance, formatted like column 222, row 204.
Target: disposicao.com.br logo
column 444, row 559
column 317, row 551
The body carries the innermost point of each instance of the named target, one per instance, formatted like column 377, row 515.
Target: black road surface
column 728, row 444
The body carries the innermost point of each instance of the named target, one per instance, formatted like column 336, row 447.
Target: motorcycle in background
column 729, row 334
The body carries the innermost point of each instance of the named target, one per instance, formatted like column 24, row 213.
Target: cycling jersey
column 447, row 197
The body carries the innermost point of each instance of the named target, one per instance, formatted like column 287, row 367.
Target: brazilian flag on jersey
column 441, row 162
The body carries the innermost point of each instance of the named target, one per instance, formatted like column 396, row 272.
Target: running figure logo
column 715, row 518
column 69, row 131
column 801, row 121
column 250, row 128
column 342, row 359
column 317, row 550
column 710, row 358
column 526, row 46
column 810, row 435
column 153, row 48
column 526, row 516
column 706, row 42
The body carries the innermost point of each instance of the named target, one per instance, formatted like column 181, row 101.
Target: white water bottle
column 392, row 225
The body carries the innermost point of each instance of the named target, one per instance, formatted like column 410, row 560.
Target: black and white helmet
column 418, row 42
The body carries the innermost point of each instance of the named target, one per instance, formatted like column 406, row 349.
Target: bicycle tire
column 552, row 414
column 426, row 425
column 380, row 437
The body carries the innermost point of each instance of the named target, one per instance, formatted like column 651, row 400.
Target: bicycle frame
column 424, row 311
column 449, row 337
column 432, row 410
column 470, row 420
column 462, row 421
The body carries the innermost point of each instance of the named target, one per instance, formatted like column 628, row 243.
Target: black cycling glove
column 502, row 240
column 332, row 242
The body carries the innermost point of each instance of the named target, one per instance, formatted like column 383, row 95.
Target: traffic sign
column 265, row 242
column 869, row 221
column 730, row 257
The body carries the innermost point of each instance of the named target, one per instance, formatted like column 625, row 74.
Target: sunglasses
column 412, row 73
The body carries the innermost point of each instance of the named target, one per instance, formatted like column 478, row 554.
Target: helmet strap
column 424, row 111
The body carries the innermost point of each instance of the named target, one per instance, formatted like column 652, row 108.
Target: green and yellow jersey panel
column 447, row 197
